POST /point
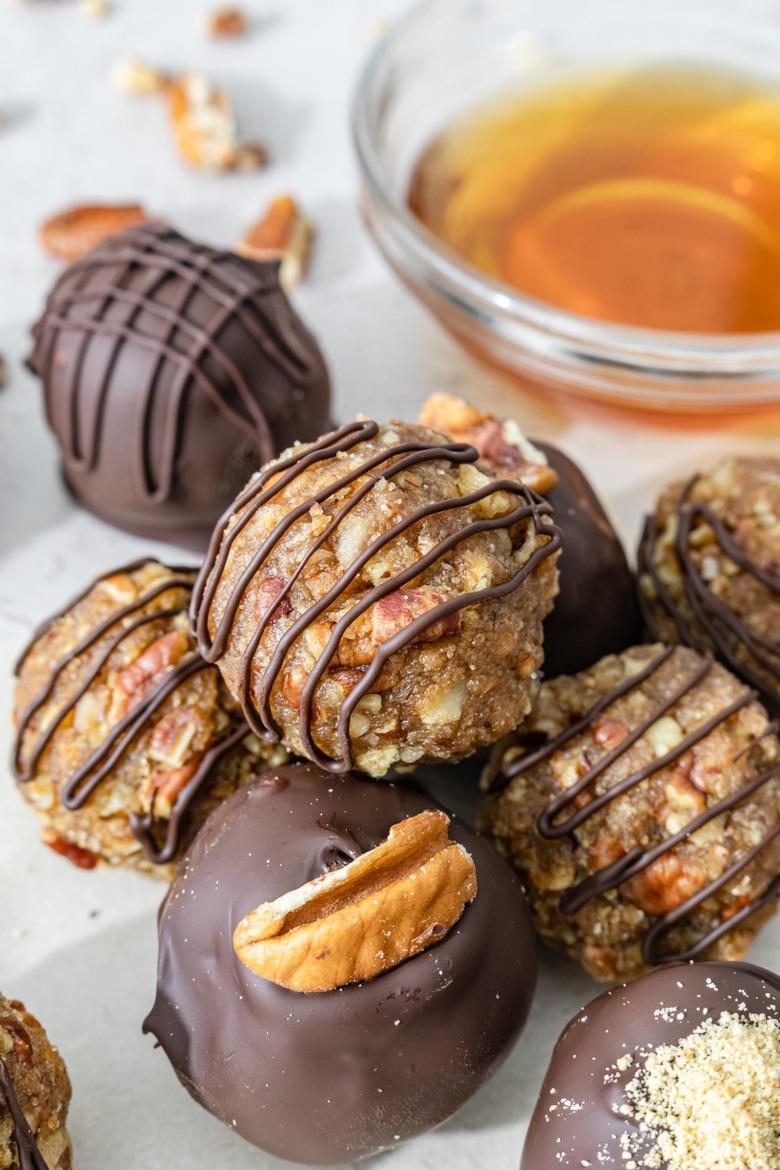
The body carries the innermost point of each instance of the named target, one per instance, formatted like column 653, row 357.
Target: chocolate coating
column 626, row 1020
column 170, row 372
column 596, row 611
column 329, row 1077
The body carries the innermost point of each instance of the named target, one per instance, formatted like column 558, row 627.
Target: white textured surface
column 79, row 947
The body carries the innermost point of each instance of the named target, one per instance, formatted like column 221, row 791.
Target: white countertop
column 80, row 947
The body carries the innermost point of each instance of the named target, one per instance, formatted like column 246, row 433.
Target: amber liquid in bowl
column 647, row 198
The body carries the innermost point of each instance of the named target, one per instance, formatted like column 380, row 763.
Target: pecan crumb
column 228, row 21
column 138, row 78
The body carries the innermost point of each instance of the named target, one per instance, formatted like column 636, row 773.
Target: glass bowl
column 447, row 57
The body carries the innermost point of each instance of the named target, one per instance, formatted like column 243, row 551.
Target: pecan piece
column 609, row 733
column 664, row 885
column 284, row 234
column 83, row 858
column 397, row 610
column 367, row 917
column 501, row 444
column 164, row 786
column 161, row 654
column 73, row 233
column 267, row 594
column 229, row 21
column 172, row 736
column 203, row 123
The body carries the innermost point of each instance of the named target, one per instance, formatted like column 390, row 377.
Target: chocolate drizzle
column 130, row 332
column 77, row 788
column 725, row 632
column 638, row 859
column 30, row 1157
column 382, row 465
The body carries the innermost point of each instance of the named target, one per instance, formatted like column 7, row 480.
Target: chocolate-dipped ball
column 595, row 612
column 170, row 372
column 34, row 1094
column 641, row 802
column 709, row 568
column 126, row 738
column 329, row 1076
column 374, row 599
column 678, row 1071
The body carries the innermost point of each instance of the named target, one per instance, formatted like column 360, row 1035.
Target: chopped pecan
column 500, row 442
column 164, row 786
column 663, row 885
column 267, row 594
column 158, row 657
column 173, row 734
column 83, row 858
column 397, row 610
column 609, row 733
column 20, row 1039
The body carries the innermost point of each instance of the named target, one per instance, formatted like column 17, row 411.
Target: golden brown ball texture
column 376, row 600
column 126, row 738
column 709, row 568
column 641, row 804
column 34, row 1094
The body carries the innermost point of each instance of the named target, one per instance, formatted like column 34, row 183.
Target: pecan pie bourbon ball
column 34, row 1094
column 375, row 600
column 595, row 612
column 170, row 372
column 678, row 1071
column 125, row 738
column 341, row 965
column 641, row 804
column 709, row 568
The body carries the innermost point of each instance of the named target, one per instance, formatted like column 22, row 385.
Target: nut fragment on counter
column 204, row 126
column 352, row 923
column 70, row 234
column 94, row 9
column 283, row 233
column 139, row 78
column 227, row 21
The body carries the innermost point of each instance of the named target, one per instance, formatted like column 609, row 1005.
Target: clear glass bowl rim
column 690, row 355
